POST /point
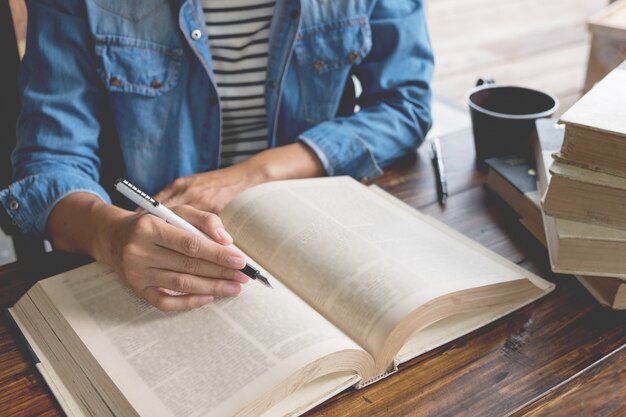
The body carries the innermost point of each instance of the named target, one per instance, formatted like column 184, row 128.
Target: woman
column 199, row 101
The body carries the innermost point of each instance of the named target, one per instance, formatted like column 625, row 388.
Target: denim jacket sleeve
column 57, row 131
column 395, row 103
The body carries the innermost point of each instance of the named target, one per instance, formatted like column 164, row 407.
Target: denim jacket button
column 196, row 34
column 319, row 65
column 271, row 84
column 115, row 82
column 14, row 205
column 156, row 84
column 213, row 101
column 353, row 56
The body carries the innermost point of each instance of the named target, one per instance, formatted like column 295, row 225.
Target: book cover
column 595, row 132
column 517, row 170
column 513, row 179
column 545, row 143
column 602, row 108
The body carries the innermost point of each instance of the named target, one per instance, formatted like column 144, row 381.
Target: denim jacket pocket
column 132, row 10
column 140, row 77
column 324, row 56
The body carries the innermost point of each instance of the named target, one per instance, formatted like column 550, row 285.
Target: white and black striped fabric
column 239, row 40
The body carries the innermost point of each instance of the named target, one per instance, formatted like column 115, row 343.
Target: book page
column 360, row 260
column 319, row 390
column 209, row 361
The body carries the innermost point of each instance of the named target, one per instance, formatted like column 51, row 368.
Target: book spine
column 591, row 149
column 21, row 339
column 364, row 383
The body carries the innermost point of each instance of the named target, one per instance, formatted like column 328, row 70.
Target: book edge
column 59, row 390
column 587, row 282
column 539, row 282
column 585, row 127
column 561, row 158
column 599, row 179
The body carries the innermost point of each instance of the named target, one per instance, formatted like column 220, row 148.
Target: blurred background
column 535, row 43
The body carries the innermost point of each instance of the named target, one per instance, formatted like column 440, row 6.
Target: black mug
column 503, row 118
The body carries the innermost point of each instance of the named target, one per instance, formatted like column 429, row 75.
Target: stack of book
column 580, row 172
column 585, row 201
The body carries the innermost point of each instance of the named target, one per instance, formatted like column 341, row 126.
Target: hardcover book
column 548, row 140
column 514, row 179
column 586, row 196
column 595, row 132
column 361, row 282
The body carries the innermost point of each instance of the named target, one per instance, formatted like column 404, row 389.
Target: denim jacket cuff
column 29, row 201
column 341, row 150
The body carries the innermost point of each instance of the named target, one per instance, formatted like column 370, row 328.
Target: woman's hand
column 174, row 269
column 171, row 268
column 212, row 191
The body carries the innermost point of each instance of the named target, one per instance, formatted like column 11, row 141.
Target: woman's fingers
column 193, row 284
column 164, row 196
column 166, row 259
column 194, row 246
column 174, row 269
column 166, row 302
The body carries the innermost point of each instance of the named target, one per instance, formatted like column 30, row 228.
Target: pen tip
column 264, row 281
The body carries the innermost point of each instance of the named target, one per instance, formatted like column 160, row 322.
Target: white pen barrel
column 175, row 220
column 158, row 210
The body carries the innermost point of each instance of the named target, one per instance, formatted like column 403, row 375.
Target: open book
column 361, row 283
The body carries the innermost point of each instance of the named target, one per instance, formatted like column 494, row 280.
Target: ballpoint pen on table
column 437, row 159
column 152, row 206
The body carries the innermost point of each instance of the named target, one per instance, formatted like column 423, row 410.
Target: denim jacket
column 137, row 76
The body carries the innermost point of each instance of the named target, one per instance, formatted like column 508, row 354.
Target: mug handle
column 485, row 80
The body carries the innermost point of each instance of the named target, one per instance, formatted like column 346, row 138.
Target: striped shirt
column 238, row 33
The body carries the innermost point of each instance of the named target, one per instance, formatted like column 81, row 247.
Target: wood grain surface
column 562, row 355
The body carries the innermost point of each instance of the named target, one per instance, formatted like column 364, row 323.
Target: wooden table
column 562, row 355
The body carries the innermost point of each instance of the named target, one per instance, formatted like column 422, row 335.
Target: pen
column 152, row 206
column 437, row 159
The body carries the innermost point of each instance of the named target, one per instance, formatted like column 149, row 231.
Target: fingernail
column 232, row 288
column 223, row 233
column 205, row 299
column 236, row 262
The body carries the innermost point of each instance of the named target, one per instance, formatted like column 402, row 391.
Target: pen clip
column 136, row 190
